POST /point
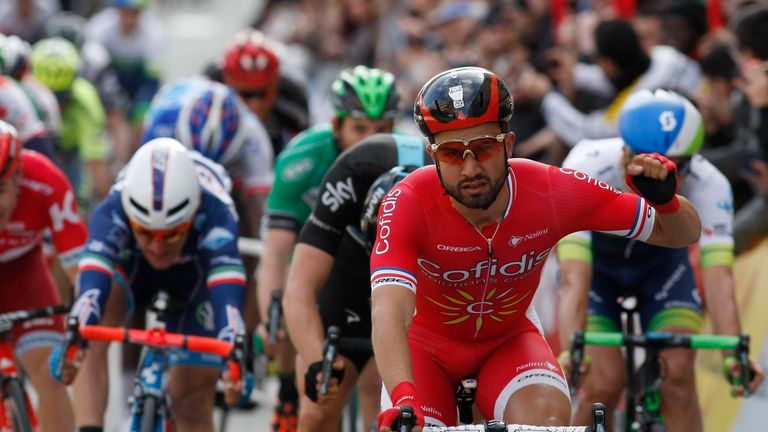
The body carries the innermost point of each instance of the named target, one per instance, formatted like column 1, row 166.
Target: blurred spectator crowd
column 570, row 64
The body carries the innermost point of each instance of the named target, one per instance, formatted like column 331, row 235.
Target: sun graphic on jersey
column 465, row 306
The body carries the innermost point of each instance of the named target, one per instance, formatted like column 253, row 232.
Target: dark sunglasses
column 253, row 94
column 482, row 148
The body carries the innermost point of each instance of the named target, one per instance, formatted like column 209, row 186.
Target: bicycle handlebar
column 597, row 424
column 157, row 338
column 23, row 315
column 501, row 427
column 661, row 340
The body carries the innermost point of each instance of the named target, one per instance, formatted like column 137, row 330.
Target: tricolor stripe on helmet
column 159, row 163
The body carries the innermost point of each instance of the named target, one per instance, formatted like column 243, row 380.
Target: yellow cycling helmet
column 55, row 62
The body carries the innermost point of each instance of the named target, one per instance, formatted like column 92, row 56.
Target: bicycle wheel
column 148, row 414
column 15, row 401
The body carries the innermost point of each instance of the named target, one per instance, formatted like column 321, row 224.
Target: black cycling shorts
column 345, row 300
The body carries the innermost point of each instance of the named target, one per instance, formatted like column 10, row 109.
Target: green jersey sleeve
column 299, row 170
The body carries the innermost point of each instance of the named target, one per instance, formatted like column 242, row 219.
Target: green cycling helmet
column 55, row 62
column 365, row 92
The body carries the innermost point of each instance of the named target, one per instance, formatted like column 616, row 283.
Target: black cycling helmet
column 376, row 194
column 461, row 98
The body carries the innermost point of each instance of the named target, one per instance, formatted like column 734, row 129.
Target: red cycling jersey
column 45, row 201
column 475, row 290
column 463, row 291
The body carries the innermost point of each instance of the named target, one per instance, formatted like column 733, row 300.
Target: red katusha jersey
column 45, row 201
column 469, row 288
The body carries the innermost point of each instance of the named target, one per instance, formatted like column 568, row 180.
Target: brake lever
column 746, row 372
column 329, row 355
column 577, row 356
column 72, row 339
column 407, row 419
column 237, row 360
column 275, row 310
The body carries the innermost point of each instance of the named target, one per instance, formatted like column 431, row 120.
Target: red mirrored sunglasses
column 171, row 235
column 481, row 147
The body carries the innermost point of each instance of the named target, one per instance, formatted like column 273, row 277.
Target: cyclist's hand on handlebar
column 269, row 348
column 313, row 379
column 388, row 417
column 63, row 369
column 732, row 372
column 233, row 389
column 404, row 394
column 565, row 362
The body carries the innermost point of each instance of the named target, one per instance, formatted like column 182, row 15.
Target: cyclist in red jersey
column 463, row 243
column 35, row 196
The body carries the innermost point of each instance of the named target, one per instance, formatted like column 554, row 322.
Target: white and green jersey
column 702, row 184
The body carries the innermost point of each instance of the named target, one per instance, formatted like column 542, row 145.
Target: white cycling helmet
column 14, row 56
column 160, row 189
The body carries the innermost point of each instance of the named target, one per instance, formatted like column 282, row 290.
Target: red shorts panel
column 500, row 366
column 26, row 283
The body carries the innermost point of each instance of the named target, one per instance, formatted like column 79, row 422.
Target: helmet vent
column 139, row 207
column 178, row 208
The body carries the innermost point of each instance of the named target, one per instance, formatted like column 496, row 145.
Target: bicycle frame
column 150, row 381
column 8, row 373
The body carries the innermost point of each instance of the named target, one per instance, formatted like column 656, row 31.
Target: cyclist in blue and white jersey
column 208, row 117
column 136, row 43
column 166, row 225
column 597, row 269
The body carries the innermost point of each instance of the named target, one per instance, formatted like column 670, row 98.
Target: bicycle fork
column 149, row 382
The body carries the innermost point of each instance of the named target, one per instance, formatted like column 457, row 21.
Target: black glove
column 311, row 382
column 658, row 192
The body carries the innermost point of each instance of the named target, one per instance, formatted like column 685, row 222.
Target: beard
column 489, row 190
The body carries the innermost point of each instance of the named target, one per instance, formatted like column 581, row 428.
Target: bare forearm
column 308, row 274
column 71, row 273
column 721, row 300
column 100, row 177
column 678, row 229
column 390, row 345
column 574, row 300
column 273, row 266
column 251, row 210
column 304, row 324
